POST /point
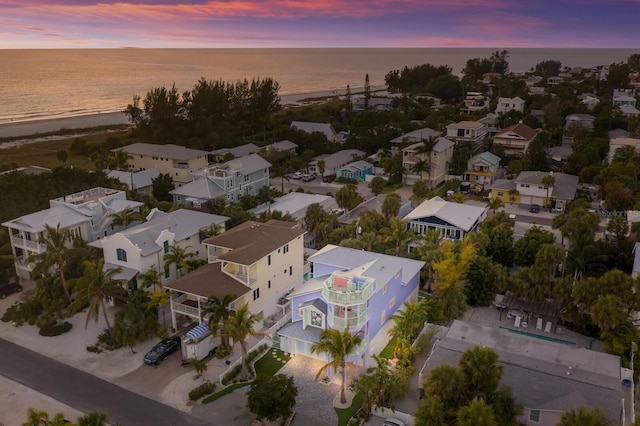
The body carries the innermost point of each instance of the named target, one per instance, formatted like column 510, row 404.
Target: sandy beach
column 33, row 127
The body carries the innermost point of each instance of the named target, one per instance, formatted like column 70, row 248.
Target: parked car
column 392, row 422
column 7, row 289
column 297, row 175
column 308, row 178
column 162, row 350
column 534, row 208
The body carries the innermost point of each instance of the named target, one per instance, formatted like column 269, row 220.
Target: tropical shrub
column 55, row 329
column 207, row 388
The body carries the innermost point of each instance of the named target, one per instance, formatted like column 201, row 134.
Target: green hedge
column 207, row 388
column 54, row 329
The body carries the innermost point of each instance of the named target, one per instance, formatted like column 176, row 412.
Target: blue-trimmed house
column 453, row 220
column 358, row 170
column 350, row 288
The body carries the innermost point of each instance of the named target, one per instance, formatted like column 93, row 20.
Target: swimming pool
column 539, row 336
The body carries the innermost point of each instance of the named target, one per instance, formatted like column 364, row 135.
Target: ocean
column 43, row 84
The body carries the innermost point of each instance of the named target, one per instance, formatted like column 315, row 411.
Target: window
column 269, row 283
column 121, row 255
column 256, row 293
column 383, row 317
column 167, row 273
column 246, row 178
column 269, row 260
column 534, row 416
column 290, row 270
column 500, row 194
column 286, row 248
column 166, row 247
column 392, row 302
column 384, row 289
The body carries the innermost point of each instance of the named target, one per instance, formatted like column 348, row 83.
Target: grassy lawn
column 43, row 154
column 344, row 414
column 387, row 352
column 268, row 364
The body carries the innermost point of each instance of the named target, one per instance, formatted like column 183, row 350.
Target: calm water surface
column 38, row 84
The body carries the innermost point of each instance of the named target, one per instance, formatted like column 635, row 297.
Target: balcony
column 31, row 245
column 353, row 320
column 184, row 305
column 239, row 272
column 347, row 291
column 24, row 264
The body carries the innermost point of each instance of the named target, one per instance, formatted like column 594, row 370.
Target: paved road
column 85, row 392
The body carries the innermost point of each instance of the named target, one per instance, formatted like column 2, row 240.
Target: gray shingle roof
column 249, row 163
column 416, row 136
column 538, row 370
column 319, row 304
column 564, row 189
column 174, row 152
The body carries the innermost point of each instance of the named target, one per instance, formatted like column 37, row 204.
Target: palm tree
column 479, row 365
column 513, row 194
column 151, row 278
column 218, row 311
column 213, row 230
column 429, row 251
column 427, row 148
column 396, row 236
column 583, row 417
column 321, row 168
column 118, row 160
column 608, row 312
column 55, row 241
column 41, row 418
column 159, row 298
column 180, row 257
column 447, row 383
column 338, row 346
column 548, row 182
column 420, row 167
column 281, row 170
column 478, row 413
column 93, row 418
column 238, row 327
column 126, row 218
column 494, row 204
column 391, row 205
column 94, row 286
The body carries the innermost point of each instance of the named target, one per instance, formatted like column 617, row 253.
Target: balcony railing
column 33, row 245
column 178, row 305
column 346, row 296
column 355, row 321
column 24, row 264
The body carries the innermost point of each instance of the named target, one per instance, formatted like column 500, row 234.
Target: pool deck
column 490, row 317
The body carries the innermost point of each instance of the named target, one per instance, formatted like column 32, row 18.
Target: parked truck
column 198, row 343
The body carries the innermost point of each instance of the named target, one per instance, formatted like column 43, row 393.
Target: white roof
column 296, row 204
column 381, row 267
column 416, row 136
column 60, row 215
column 309, row 127
column 202, row 188
column 339, row 158
column 462, row 216
column 182, row 223
column 174, row 152
column 283, row 145
column 141, row 179
column 441, row 145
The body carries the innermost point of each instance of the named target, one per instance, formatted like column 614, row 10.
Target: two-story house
column 176, row 161
column 86, row 214
column 412, row 137
column 350, row 289
column 230, row 180
column 283, row 146
column 467, row 131
column 436, row 162
column 452, row 220
column 139, row 248
column 258, row 263
column 528, row 189
column 510, row 104
column 582, row 120
column 481, row 168
column 515, row 139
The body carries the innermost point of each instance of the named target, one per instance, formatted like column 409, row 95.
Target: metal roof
column 462, row 216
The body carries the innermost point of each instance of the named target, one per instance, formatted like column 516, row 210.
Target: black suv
column 162, row 350
column 7, row 289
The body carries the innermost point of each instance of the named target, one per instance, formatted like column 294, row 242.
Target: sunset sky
column 317, row 23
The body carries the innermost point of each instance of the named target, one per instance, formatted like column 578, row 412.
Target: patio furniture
column 539, row 324
column 524, row 324
column 517, row 323
column 547, row 328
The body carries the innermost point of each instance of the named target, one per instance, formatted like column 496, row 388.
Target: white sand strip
column 26, row 128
